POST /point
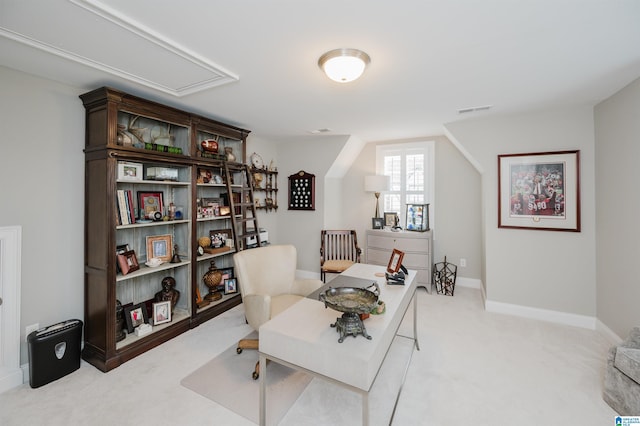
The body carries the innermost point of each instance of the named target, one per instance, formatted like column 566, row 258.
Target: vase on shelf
column 212, row 279
column 229, row 151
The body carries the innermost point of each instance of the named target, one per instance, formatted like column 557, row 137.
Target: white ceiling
column 253, row 63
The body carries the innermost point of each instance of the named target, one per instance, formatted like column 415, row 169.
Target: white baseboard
column 607, row 333
column 25, row 373
column 558, row 317
column 307, row 275
column 469, row 283
column 10, row 380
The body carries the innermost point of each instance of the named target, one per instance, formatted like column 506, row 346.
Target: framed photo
column 539, row 191
column 160, row 246
column 377, row 223
column 120, row 249
column 395, row 261
column 230, row 286
column 129, row 171
column 219, row 237
column 128, row 262
column 227, row 273
column 390, row 219
column 135, row 315
column 213, row 203
column 161, row 312
column 149, row 203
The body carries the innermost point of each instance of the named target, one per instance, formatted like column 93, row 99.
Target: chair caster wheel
column 238, row 350
column 255, row 375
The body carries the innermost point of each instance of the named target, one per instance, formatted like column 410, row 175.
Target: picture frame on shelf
column 135, row 315
column 161, row 312
column 120, row 249
column 377, row 223
column 160, row 246
column 227, row 273
column 219, row 237
column 539, row 191
column 128, row 262
column 149, row 203
column 230, row 286
column 395, row 261
column 212, row 203
column 390, row 219
column 129, row 171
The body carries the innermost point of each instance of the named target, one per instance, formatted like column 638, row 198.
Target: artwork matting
column 539, row 191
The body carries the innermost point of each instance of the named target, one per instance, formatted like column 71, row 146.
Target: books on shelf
column 126, row 210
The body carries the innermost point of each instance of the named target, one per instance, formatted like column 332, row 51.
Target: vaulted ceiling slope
column 253, row 63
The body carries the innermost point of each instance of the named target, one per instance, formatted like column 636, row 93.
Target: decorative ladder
column 241, row 202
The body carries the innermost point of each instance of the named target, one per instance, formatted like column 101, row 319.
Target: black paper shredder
column 54, row 352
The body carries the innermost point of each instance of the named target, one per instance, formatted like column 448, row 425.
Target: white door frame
column 10, row 260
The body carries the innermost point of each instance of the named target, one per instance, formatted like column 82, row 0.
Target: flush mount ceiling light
column 344, row 65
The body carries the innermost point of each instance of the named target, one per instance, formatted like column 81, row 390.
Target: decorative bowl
column 351, row 299
column 153, row 262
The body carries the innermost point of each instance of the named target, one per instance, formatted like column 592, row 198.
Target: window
column 410, row 166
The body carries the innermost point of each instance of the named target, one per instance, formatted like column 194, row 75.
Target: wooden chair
column 338, row 250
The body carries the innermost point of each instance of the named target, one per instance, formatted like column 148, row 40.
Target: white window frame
column 402, row 149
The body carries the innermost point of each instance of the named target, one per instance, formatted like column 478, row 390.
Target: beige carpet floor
column 474, row 368
column 227, row 380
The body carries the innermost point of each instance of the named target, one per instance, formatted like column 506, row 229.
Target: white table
column 302, row 338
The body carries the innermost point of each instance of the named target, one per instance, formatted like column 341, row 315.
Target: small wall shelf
column 265, row 181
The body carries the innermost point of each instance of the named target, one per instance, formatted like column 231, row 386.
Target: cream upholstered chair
column 338, row 250
column 268, row 285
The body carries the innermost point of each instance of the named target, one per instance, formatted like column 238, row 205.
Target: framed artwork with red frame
column 149, row 203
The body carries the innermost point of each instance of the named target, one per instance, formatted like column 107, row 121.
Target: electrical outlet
column 463, row 263
column 29, row 329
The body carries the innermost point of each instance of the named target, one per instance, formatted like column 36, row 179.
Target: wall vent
column 474, row 109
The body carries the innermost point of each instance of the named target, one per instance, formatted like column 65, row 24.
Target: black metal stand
column 444, row 277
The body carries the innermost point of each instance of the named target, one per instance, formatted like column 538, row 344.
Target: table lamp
column 377, row 184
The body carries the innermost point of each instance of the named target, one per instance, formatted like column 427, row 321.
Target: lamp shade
column 377, row 183
column 344, row 65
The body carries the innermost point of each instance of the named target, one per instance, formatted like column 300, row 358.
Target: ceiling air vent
column 316, row 132
column 474, row 109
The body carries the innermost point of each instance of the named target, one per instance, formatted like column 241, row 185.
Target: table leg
column 415, row 319
column 263, row 390
column 365, row 409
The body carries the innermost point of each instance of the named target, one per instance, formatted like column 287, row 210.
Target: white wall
column 547, row 270
column 457, row 231
column 267, row 219
column 42, row 175
column 302, row 227
column 617, row 134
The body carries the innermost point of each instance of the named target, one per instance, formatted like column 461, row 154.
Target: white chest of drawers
column 417, row 248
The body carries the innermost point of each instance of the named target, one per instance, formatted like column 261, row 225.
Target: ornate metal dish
column 351, row 299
